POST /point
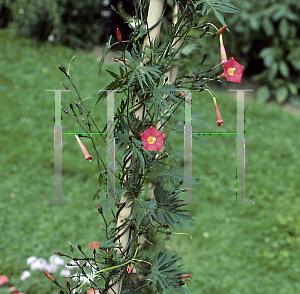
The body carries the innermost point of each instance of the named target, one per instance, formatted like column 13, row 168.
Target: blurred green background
column 234, row 248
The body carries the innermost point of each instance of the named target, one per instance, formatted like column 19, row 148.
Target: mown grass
column 234, row 248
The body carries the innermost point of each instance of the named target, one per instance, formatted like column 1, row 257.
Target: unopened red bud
column 49, row 276
column 119, row 36
column 68, row 284
column 221, row 30
column 58, row 253
column 185, row 276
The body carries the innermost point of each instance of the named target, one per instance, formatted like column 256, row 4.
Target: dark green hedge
column 266, row 33
column 74, row 23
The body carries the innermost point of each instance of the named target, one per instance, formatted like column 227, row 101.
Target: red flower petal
column 233, row 70
column 3, row 279
column 94, row 245
column 152, row 139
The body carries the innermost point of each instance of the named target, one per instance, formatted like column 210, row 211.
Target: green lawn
column 234, row 248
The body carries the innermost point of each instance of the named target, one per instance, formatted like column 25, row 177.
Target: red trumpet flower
column 83, row 149
column 233, row 71
column 218, row 114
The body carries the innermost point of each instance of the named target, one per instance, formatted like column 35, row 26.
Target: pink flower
column 94, row 245
column 218, row 114
column 233, row 71
column 129, row 269
column 92, row 291
column 83, row 149
column 3, row 279
column 152, row 139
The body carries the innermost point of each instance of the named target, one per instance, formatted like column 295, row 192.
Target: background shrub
column 5, row 14
column 74, row 23
column 267, row 33
column 265, row 38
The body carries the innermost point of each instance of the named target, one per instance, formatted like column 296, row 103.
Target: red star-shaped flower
column 233, row 70
column 152, row 139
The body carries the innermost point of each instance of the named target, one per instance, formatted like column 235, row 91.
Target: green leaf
column 281, row 94
column 263, row 94
column 268, row 26
column 169, row 208
column 283, row 28
column 106, row 49
column 114, row 75
column 273, row 71
column 101, row 95
column 140, row 209
column 293, row 88
column 254, row 23
column 284, row 70
column 268, row 55
column 164, row 272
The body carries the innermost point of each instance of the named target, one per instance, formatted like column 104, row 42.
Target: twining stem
column 155, row 10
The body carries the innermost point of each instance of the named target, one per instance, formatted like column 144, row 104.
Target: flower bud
column 221, row 30
column 119, row 36
column 185, row 276
column 49, row 276
column 222, row 50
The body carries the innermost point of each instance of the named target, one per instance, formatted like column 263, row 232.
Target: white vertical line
column 188, row 148
column 110, row 149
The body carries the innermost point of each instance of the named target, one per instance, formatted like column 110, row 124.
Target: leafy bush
column 72, row 22
column 264, row 38
column 267, row 32
column 5, row 14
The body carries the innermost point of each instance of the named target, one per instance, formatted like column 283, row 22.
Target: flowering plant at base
column 146, row 99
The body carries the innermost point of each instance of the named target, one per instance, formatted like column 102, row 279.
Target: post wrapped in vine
column 146, row 101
